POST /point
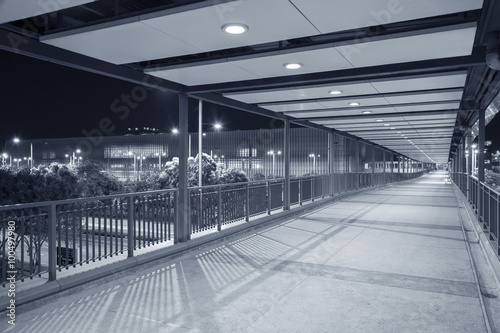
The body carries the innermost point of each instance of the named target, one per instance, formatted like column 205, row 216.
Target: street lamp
column 274, row 153
column 313, row 156
column 17, row 140
column 78, row 151
column 4, row 157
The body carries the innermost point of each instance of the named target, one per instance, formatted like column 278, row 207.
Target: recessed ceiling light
column 366, row 112
column 379, row 120
column 387, row 124
column 292, row 65
column 393, row 128
column 398, row 132
column 234, row 28
column 335, row 92
column 354, row 104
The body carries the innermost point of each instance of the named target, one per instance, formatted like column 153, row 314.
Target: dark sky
column 39, row 99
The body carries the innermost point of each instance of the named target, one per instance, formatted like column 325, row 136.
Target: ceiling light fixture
column 292, row 65
column 354, row 104
column 366, row 112
column 335, row 92
column 379, row 120
column 387, row 124
column 393, row 128
column 234, row 28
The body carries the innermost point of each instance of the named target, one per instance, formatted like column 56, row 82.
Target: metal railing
column 485, row 202
column 44, row 237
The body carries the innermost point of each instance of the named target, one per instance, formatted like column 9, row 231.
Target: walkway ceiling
column 414, row 69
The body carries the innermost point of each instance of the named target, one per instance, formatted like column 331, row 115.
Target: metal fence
column 486, row 204
column 44, row 237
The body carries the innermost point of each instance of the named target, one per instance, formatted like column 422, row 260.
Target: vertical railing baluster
column 52, row 220
column 130, row 227
column 247, row 204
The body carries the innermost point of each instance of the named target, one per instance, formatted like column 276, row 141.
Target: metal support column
column 182, row 219
column 373, row 166
column 480, row 148
column 331, row 154
column 385, row 179
column 357, row 159
column 469, row 162
column 286, row 157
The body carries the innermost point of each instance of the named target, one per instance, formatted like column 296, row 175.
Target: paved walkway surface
column 388, row 260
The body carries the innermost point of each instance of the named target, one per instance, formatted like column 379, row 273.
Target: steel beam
column 477, row 57
column 16, row 43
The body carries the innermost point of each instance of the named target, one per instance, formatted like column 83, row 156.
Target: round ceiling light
column 234, row 28
column 292, row 65
column 366, row 112
column 354, row 104
column 335, row 92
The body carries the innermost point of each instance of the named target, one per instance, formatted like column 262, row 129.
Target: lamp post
column 4, row 157
column 274, row 153
column 313, row 156
column 78, row 151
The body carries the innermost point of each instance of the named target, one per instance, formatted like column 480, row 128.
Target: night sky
column 44, row 100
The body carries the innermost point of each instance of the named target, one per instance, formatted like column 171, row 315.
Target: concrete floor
column 389, row 260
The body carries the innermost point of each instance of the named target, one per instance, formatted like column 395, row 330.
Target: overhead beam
column 477, row 57
column 16, row 43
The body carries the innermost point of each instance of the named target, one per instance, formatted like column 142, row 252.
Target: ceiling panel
column 329, row 16
column 131, row 41
column 222, row 72
column 363, row 101
column 13, row 10
column 325, row 59
column 434, row 45
column 267, row 21
column 320, row 91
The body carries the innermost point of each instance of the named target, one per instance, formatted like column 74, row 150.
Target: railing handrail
column 84, row 199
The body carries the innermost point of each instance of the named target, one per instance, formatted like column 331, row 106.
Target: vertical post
column 480, row 148
column 219, row 208
column 130, row 226
column 286, row 157
column 31, row 152
column 331, row 151
column 385, row 179
column 469, row 163
column 200, row 143
column 52, row 242
column 356, row 185
column 373, row 165
column 268, row 197
column 182, row 219
column 480, row 166
column 247, row 203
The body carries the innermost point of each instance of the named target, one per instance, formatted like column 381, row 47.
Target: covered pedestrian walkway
column 391, row 259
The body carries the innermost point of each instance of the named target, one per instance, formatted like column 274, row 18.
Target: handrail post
column 268, row 197
column 52, row 215
column 247, row 203
column 131, row 226
column 219, row 208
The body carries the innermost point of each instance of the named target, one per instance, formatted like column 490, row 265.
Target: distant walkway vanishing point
column 393, row 259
